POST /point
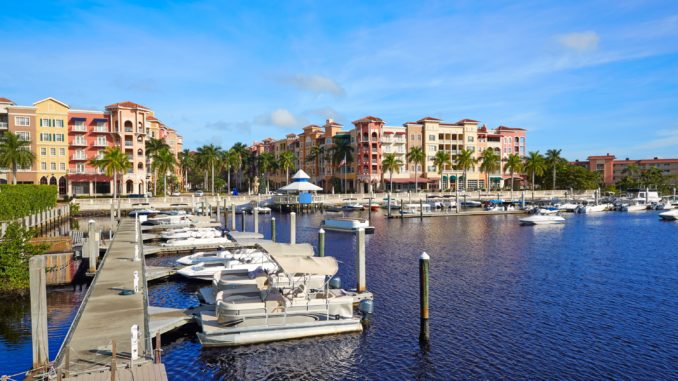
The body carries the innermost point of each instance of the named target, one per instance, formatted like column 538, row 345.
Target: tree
column 14, row 153
column 389, row 164
column 416, row 156
column 164, row 163
column 342, row 150
column 286, row 162
column 265, row 162
column 153, row 146
column 185, row 162
column 553, row 159
column 535, row 165
column 465, row 161
column 209, row 156
column 15, row 251
column 440, row 160
column 576, row 177
column 225, row 164
column 489, row 162
column 240, row 155
column 113, row 161
column 315, row 154
column 633, row 171
column 513, row 164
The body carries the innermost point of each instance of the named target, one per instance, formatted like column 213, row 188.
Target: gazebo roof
column 300, row 175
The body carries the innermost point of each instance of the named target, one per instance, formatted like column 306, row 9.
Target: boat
column 168, row 220
column 196, row 241
column 262, row 209
column 593, row 208
column 191, row 233
column 635, row 207
column 206, row 270
column 351, row 205
column 567, row 207
column 415, row 209
column 275, row 314
column 347, row 224
column 540, row 219
column 393, row 202
column 219, row 255
column 671, row 215
column 143, row 212
column 470, row 204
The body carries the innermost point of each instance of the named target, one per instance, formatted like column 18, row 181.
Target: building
column 613, row 170
column 65, row 141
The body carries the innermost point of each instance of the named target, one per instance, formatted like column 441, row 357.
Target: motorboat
column 671, row 215
column 273, row 314
column 168, row 220
column 351, row 205
column 661, row 205
column 143, row 212
column 206, row 270
column 471, row 204
column 191, row 233
column 347, row 224
column 394, row 204
column 636, row 207
column 191, row 241
column 415, row 209
column 593, row 208
column 262, row 209
column 220, row 255
column 567, row 207
column 540, row 219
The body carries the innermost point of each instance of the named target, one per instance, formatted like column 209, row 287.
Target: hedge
column 21, row 200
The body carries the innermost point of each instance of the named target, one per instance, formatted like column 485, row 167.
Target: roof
column 467, row 121
column 53, row 100
column 127, row 104
column 5, row 100
column 301, row 175
column 368, row 119
column 510, row 128
column 428, row 118
column 299, row 249
column 306, row 265
column 151, row 118
column 300, row 186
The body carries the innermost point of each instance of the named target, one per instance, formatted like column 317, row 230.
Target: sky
column 588, row 77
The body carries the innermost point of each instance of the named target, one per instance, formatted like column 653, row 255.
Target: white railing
column 79, row 143
column 100, row 129
column 3, row 125
column 78, row 157
column 79, row 128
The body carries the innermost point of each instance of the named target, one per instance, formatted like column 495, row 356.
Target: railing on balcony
column 100, row 144
column 128, row 144
column 129, row 129
column 78, row 157
column 4, row 125
column 100, row 129
column 79, row 128
column 79, row 143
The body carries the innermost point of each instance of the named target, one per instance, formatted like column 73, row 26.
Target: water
column 595, row 298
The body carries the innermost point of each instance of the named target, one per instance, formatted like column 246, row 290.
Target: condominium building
column 65, row 140
column 613, row 170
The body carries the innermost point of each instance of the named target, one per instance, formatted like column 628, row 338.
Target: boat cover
column 299, row 249
column 307, row 265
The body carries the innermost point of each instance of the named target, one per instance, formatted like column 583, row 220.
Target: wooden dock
column 396, row 214
column 105, row 316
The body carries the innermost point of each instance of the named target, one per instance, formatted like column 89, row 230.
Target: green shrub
column 21, row 200
column 15, row 251
column 74, row 209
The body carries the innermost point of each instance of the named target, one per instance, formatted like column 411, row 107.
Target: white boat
column 168, row 220
column 262, row 210
column 638, row 207
column 545, row 212
column 206, row 270
column 542, row 220
column 671, row 215
column 567, row 207
column 196, row 241
column 191, row 233
column 280, row 314
column 415, row 209
column 143, row 212
column 351, row 205
column 470, row 203
column 346, row 224
column 594, row 208
column 219, row 256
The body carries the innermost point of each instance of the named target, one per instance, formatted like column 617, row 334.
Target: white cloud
column 580, row 41
column 280, row 117
column 666, row 138
column 315, row 84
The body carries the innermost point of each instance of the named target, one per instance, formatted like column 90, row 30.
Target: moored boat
column 671, row 215
column 347, row 224
column 542, row 220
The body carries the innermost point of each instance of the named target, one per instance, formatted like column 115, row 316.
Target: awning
column 100, row 120
column 444, row 177
column 453, row 178
column 306, row 265
column 89, row 177
column 497, row 179
column 299, row 249
column 420, row 180
column 78, row 119
column 300, row 187
column 388, row 132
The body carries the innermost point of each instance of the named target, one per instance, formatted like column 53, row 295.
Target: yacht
column 196, row 241
column 593, row 208
column 143, row 212
column 219, row 256
column 671, row 215
column 162, row 219
column 540, row 219
column 347, row 224
column 300, row 310
column 191, row 233
column 567, row 207
column 471, row 203
column 206, row 270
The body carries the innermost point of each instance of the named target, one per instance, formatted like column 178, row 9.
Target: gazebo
column 299, row 192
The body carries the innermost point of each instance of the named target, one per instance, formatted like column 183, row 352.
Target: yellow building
column 51, row 143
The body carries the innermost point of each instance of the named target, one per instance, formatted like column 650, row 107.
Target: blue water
column 595, row 298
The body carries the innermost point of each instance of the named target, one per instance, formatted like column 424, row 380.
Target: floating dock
column 455, row 214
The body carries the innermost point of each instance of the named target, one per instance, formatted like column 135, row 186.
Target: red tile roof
column 368, row 119
column 127, row 104
column 510, row 128
column 5, row 100
column 467, row 121
column 151, row 118
column 427, row 118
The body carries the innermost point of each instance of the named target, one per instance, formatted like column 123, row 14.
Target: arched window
column 140, row 166
column 140, row 152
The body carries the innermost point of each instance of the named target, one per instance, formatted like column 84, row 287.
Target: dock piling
column 424, row 260
column 233, row 217
column 134, row 349
column 369, row 210
column 293, row 228
column 389, row 205
column 158, row 348
column 360, row 262
column 421, row 209
column 135, row 279
column 38, row 289
column 114, row 354
column 92, row 245
column 321, row 242
column 242, row 221
column 273, row 229
column 255, row 212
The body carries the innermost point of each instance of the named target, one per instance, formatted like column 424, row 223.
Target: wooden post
column 424, row 260
column 218, row 219
column 360, row 262
column 321, row 242
column 255, row 211
column 293, row 228
column 39, row 335
column 233, row 217
column 273, row 229
column 158, row 348
column 114, row 354
column 421, row 209
column 389, row 205
column 369, row 210
column 92, row 245
column 242, row 221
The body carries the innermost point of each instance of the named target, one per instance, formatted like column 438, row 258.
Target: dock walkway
column 105, row 315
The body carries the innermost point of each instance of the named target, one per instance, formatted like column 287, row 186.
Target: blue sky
column 589, row 77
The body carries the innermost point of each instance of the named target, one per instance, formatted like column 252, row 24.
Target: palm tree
column 209, row 156
column 113, row 161
column 315, row 154
column 153, row 146
column 633, row 171
column 513, row 164
column 240, row 155
column 534, row 165
column 416, row 156
column 265, row 162
column 489, row 162
column 440, row 160
column 389, row 164
column 553, row 158
column 286, row 162
column 464, row 162
column 342, row 151
column 185, row 162
column 164, row 162
column 15, row 152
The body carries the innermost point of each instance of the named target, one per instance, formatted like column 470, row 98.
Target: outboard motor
column 335, row 283
column 366, row 308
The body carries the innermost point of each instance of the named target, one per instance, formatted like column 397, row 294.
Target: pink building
column 368, row 132
column 88, row 136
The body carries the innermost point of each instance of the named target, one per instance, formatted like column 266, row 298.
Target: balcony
column 4, row 126
column 78, row 157
column 79, row 143
column 129, row 130
column 128, row 143
column 100, row 144
column 79, row 128
column 100, row 129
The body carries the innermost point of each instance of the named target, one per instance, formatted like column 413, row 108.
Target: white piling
column 38, row 287
column 135, row 278
column 293, row 228
column 360, row 261
column 256, row 219
column 134, row 344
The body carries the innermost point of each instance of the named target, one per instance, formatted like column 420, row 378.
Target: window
column 43, row 151
column 44, row 122
column 62, row 151
column 23, row 121
column 80, row 168
column 58, row 137
column 101, row 141
column 432, row 147
column 52, row 151
column 470, row 139
column 79, row 125
column 62, row 166
column 58, row 122
column 44, row 137
column 43, row 166
column 24, row 135
column 52, row 165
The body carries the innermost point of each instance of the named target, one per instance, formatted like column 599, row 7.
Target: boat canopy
column 299, row 249
column 307, row 265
